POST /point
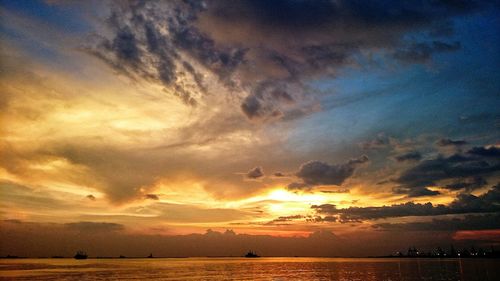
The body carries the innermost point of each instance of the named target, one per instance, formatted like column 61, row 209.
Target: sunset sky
column 335, row 127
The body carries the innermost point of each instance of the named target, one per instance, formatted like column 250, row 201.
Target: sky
column 291, row 127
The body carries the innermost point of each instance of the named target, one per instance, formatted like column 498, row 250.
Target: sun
column 289, row 203
column 287, row 196
column 281, row 195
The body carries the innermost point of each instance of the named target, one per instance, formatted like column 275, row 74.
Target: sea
column 362, row 269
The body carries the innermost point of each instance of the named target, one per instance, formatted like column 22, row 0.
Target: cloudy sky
column 304, row 127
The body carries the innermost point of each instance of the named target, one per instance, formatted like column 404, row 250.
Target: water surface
column 250, row 269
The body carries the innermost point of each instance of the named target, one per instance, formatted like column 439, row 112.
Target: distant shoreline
column 242, row 257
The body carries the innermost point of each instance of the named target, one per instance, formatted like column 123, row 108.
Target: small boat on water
column 252, row 254
column 80, row 255
column 150, row 256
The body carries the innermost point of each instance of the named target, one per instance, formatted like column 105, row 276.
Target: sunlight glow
column 283, row 195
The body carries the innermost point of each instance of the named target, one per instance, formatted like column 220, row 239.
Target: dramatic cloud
column 476, row 163
column 468, row 203
column 463, row 204
column 321, row 173
column 358, row 214
column 255, row 173
column 155, row 41
column 468, row 222
column 178, row 44
column 415, row 191
column 491, row 151
column 468, row 184
column 123, row 121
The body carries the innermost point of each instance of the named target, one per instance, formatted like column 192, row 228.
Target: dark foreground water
column 250, row 269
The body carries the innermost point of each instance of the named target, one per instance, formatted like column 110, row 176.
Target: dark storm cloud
column 270, row 99
column 449, row 142
column 416, row 191
column 255, row 173
column 469, row 222
column 92, row 227
column 90, row 197
column 488, row 202
column 149, row 39
column 410, row 156
column 477, row 162
column 323, row 14
column 267, row 49
column 331, row 34
column 468, row 184
column 468, row 203
column 321, row 173
column 485, row 151
column 371, row 213
column 125, row 46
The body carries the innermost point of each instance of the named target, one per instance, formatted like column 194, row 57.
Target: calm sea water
column 250, row 269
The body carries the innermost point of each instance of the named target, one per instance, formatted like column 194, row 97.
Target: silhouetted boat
column 122, row 256
column 150, row 256
column 251, row 254
column 80, row 255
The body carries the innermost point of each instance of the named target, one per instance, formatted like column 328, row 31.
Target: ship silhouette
column 252, row 254
column 80, row 255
